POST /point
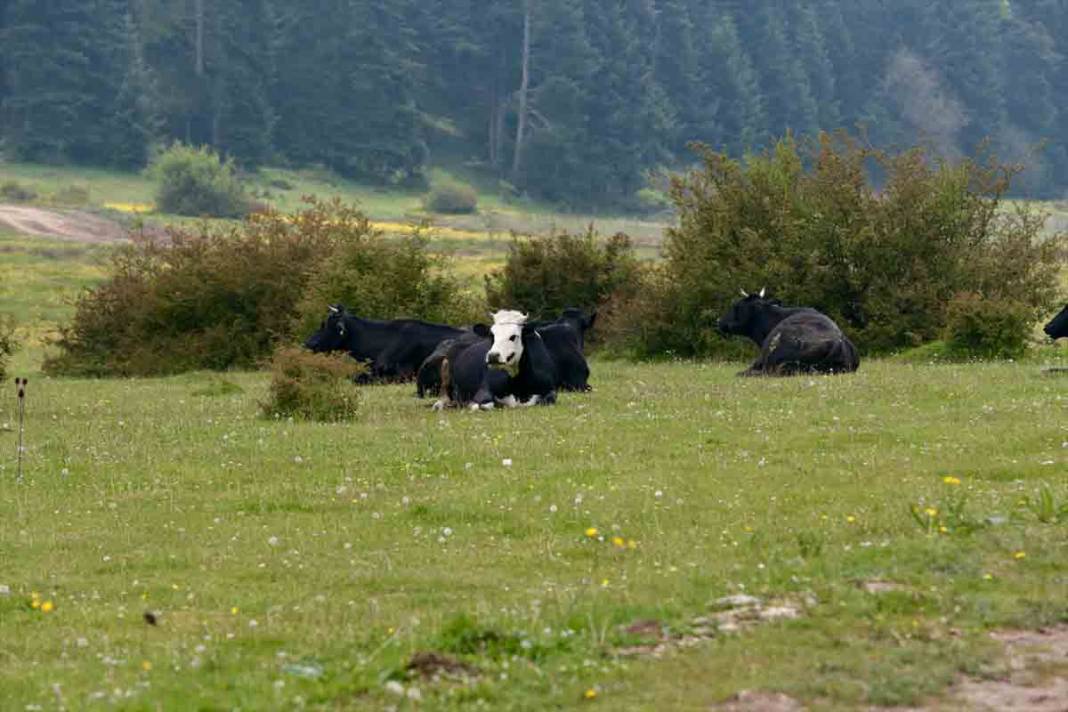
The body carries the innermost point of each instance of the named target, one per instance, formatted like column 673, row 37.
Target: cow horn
column 333, row 309
column 744, row 293
column 762, row 291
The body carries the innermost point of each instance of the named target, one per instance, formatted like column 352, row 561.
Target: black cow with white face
column 393, row 348
column 792, row 340
column 564, row 338
column 508, row 365
column 1057, row 327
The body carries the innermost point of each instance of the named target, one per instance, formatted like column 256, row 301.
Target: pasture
column 560, row 557
column 295, row 564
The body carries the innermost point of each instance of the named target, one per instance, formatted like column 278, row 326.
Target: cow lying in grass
column 1058, row 326
column 394, row 348
column 508, row 365
column 563, row 337
column 792, row 340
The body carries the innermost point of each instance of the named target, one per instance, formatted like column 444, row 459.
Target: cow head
column 507, row 331
column 1058, row 325
column 745, row 315
column 333, row 332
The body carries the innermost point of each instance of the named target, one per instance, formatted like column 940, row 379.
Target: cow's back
column 808, row 341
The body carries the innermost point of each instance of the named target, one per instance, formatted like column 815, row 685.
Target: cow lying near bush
column 509, row 364
column 792, row 340
column 394, row 349
column 1058, row 326
column 563, row 337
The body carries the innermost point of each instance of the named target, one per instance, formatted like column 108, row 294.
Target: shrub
column 806, row 222
column 8, row 345
column 542, row 275
column 982, row 328
column 15, row 192
column 453, row 198
column 312, row 386
column 72, row 195
column 194, row 181
column 224, row 297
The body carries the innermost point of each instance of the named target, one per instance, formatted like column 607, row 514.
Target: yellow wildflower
column 951, row 480
column 234, row 611
column 1020, row 555
column 47, row 607
column 604, row 582
column 618, row 541
column 631, row 544
column 931, row 512
column 146, row 665
column 943, row 529
column 851, row 519
column 590, row 694
column 592, row 532
column 988, row 577
column 35, row 603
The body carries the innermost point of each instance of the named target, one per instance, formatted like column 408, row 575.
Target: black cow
column 563, row 337
column 508, row 364
column 1058, row 326
column 394, row 348
column 791, row 339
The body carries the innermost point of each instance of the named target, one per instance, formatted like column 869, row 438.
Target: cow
column 563, row 337
column 394, row 349
column 792, row 340
column 1057, row 327
column 508, row 365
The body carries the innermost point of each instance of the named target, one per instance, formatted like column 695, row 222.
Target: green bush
column 312, row 386
column 15, row 192
column 982, row 328
column 194, row 181
column 387, row 278
column 543, row 275
column 453, row 198
column 8, row 345
column 807, row 223
column 224, row 297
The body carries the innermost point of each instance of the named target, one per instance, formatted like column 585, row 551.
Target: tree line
column 572, row 101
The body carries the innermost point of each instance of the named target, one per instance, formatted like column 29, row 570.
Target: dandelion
column 951, row 480
column 592, row 532
column 604, row 583
column 234, row 611
column 851, row 519
column 146, row 665
column 47, row 607
column 590, row 694
column 943, row 529
column 931, row 512
column 1020, row 555
column 618, row 541
column 631, row 544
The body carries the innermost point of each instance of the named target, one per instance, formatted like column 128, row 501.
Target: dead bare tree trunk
column 199, row 19
column 524, row 85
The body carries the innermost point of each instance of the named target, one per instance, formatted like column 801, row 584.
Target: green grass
column 170, row 496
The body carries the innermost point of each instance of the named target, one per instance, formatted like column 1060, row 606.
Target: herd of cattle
column 517, row 361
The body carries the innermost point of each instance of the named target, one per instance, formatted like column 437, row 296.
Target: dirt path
column 76, row 225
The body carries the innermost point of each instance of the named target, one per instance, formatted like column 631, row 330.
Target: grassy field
column 293, row 563
column 569, row 556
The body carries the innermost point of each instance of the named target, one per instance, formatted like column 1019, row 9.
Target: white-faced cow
column 563, row 337
column 1058, row 326
column 393, row 348
column 792, row 340
column 509, row 365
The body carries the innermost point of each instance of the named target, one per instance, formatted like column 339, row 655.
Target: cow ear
column 482, row 331
column 592, row 318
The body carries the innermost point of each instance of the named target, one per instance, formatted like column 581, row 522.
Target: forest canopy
column 572, row 101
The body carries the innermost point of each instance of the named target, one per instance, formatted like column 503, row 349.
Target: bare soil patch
column 1037, row 679
column 75, row 225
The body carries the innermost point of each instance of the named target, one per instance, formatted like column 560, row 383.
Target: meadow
column 561, row 557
